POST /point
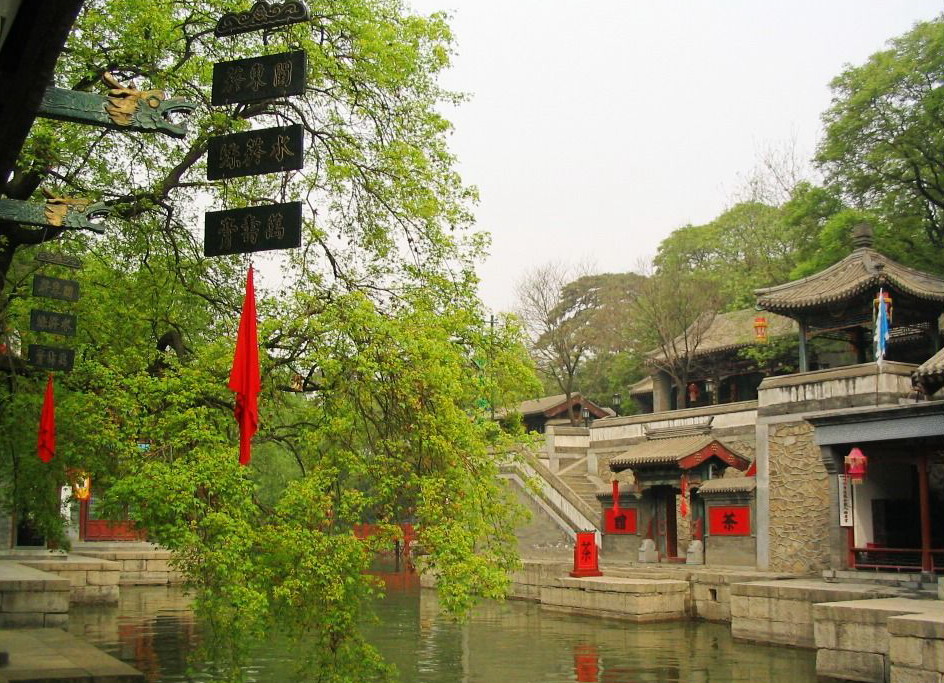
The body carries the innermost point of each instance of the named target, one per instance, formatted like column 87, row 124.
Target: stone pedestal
column 695, row 553
column 648, row 552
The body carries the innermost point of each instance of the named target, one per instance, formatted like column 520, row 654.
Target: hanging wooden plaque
column 50, row 357
column 52, row 322
column 261, row 16
column 256, row 228
column 269, row 150
column 55, row 288
column 56, row 259
column 259, row 78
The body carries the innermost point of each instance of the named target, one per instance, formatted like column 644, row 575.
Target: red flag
column 683, row 506
column 244, row 377
column 46, row 443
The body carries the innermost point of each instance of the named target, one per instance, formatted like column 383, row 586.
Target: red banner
column 620, row 521
column 729, row 520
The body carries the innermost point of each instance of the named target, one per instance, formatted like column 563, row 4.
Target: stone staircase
column 584, row 485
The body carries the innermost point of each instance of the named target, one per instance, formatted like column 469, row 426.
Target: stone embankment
column 140, row 564
column 32, row 598
column 862, row 631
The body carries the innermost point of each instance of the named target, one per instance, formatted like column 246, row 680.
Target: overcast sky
column 596, row 128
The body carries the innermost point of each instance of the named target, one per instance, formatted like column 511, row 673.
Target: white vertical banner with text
column 845, row 500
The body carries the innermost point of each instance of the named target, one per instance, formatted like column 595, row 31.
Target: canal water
column 153, row 629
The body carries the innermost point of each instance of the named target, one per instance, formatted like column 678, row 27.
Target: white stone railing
column 547, row 490
column 739, row 414
column 888, row 382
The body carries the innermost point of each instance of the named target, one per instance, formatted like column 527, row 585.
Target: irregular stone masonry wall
column 799, row 500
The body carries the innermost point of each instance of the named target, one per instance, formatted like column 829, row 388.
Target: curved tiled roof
column 863, row 270
column 930, row 374
column 661, row 451
column 728, row 331
column 728, row 485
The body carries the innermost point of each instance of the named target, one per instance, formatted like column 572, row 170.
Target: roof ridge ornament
column 863, row 236
column 262, row 15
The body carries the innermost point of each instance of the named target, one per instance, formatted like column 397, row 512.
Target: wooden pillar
column 925, row 506
column 859, row 340
column 804, row 361
column 661, row 392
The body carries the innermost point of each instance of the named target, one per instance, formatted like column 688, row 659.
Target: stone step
column 92, row 581
column 51, row 654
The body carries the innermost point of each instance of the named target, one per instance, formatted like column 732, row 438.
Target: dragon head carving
column 73, row 212
column 146, row 109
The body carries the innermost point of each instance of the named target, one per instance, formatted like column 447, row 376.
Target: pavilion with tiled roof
column 838, row 303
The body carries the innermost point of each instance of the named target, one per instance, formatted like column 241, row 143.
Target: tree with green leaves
column 368, row 333
column 884, row 142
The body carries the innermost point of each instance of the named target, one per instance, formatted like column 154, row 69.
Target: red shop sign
column 619, row 521
column 585, row 555
column 729, row 520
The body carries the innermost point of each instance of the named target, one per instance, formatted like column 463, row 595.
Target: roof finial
column 862, row 236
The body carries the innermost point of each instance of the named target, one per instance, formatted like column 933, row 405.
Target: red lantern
column 888, row 305
column 760, row 329
column 857, row 466
column 82, row 486
column 693, row 392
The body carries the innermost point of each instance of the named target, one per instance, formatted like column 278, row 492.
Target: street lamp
column 617, row 400
column 585, row 413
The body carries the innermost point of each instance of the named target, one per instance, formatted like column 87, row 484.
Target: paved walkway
column 50, row 654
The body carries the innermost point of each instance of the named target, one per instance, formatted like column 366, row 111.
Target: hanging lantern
column 857, row 466
column 883, row 295
column 760, row 329
column 82, row 487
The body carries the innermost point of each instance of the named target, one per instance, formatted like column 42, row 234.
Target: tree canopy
column 375, row 403
column 884, row 142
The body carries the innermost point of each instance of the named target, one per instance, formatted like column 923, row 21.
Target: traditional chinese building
column 558, row 410
column 721, row 371
column 838, row 465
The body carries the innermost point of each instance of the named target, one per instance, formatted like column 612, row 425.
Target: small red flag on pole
column 46, row 443
column 244, row 377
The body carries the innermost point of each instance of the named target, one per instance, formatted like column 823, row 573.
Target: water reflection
column 153, row 630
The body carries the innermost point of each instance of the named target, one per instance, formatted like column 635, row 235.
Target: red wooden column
column 925, row 505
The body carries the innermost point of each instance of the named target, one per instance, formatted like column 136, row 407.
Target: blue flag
column 881, row 327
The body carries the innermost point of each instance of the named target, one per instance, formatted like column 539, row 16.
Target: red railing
column 897, row 559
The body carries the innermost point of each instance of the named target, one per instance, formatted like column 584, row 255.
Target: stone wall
column 916, row 648
column 92, row 581
column 799, row 500
column 32, row 598
column 140, row 566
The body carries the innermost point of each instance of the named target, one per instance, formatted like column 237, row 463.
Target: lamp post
column 617, row 400
column 585, row 413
